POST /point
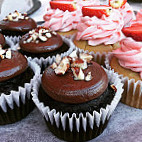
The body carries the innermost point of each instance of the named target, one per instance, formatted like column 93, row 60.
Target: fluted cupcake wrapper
column 12, row 41
column 132, row 94
column 18, row 104
column 71, row 127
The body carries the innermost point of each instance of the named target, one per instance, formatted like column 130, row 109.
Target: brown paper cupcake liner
column 80, row 128
column 132, row 95
column 18, row 104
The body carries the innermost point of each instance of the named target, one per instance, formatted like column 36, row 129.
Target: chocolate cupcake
column 42, row 43
column 17, row 24
column 15, row 98
column 73, row 93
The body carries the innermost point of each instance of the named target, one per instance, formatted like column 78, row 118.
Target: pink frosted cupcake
column 64, row 16
column 127, row 62
column 99, row 29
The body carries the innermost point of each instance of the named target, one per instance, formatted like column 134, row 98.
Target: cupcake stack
column 57, row 65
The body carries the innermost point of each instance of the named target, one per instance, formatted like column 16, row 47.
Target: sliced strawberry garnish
column 63, row 5
column 134, row 31
column 117, row 3
column 97, row 10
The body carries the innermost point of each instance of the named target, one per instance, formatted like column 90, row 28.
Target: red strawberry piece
column 117, row 3
column 97, row 10
column 63, row 5
column 134, row 31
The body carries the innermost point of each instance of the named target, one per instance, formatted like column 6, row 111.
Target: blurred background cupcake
column 15, row 90
column 64, row 16
column 16, row 24
column 127, row 62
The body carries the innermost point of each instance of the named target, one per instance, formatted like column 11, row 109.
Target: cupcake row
column 93, row 26
column 75, row 95
column 72, row 74
column 33, row 41
column 102, row 29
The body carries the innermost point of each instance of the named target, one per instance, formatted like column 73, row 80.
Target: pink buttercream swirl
column 130, row 55
column 127, row 13
column 106, row 30
column 59, row 20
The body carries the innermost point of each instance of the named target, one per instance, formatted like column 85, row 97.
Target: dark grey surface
column 125, row 126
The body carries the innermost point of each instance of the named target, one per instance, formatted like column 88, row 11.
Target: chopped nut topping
column 48, row 35
column 88, row 77
column 0, row 46
column 4, row 53
column 54, row 33
column 42, row 38
column 18, row 48
column 54, row 66
column 77, row 65
column 86, row 57
column 15, row 16
column 39, row 34
column 24, row 42
column 113, row 87
column 58, row 59
column 78, row 73
column 8, row 54
column 73, row 55
column 63, row 67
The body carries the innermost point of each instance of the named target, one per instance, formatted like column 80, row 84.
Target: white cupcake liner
column 132, row 89
column 96, row 118
column 23, row 92
column 42, row 60
column 12, row 41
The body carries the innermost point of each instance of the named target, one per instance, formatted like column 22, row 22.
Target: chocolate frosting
column 52, row 44
column 10, row 68
column 67, row 90
column 2, row 40
column 21, row 25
